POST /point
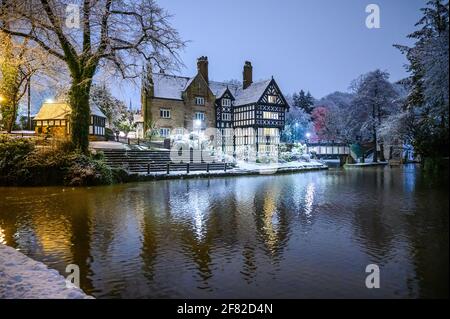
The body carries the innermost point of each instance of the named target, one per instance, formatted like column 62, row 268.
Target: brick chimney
column 247, row 74
column 202, row 67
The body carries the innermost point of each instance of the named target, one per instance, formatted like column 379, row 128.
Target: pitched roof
column 96, row 111
column 219, row 88
column 60, row 111
column 172, row 87
column 169, row 86
column 251, row 94
column 53, row 111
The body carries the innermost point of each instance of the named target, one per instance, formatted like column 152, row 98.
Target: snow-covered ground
column 24, row 278
column 252, row 166
column 366, row 164
column 109, row 145
column 243, row 168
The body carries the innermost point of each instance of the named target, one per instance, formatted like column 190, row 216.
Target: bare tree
column 114, row 34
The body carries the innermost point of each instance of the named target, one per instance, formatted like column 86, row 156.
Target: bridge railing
column 328, row 148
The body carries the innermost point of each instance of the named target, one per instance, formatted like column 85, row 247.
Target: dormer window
column 226, row 102
column 272, row 99
column 199, row 100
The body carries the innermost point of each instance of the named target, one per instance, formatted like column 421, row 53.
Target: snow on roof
column 96, row 111
column 251, row 94
column 60, row 111
column 53, row 111
column 169, row 86
column 172, row 87
column 219, row 88
column 189, row 83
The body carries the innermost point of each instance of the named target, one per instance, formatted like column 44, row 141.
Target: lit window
column 200, row 116
column 226, row 102
column 199, row 100
column 164, row 131
column 270, row 115
column 272, row 99
column 164, row 113
column 270, row 132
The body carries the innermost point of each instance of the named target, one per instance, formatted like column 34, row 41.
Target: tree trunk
column 382, row 158
column 10, row 116
column 80, row 116
column 374, row 128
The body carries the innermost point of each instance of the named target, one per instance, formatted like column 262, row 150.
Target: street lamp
column 296, row 137
column 308, row 135
column 198, row 125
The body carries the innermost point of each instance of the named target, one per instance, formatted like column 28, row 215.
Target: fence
column 186, row 167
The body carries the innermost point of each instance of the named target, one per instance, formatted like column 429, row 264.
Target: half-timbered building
column 249, row 118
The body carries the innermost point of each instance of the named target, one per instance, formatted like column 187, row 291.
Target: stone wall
column 182, row 111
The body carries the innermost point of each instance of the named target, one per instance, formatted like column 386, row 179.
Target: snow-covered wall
column 24, row 278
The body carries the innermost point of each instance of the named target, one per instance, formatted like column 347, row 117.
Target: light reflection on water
column 298, row 235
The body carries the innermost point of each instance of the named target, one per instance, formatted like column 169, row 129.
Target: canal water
column 305, row 235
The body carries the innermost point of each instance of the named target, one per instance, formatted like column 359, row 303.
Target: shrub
column 23, row 163
column 119, row 175
column 45, row 166
column 13, row 152
column 84, row 170
column 286, row 156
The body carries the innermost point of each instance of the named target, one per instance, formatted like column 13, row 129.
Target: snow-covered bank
column 367, row 164
column 24, row 278
column 242, row 169
column 251, row 166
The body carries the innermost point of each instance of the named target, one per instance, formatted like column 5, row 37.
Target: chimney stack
column 202, row 67
column 247, row 74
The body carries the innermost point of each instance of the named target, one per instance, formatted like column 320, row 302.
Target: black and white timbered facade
column 248, row 117
column 251, row 119
column 261, row 121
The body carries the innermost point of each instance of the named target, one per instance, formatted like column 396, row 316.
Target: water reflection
column 309, row 200
column 2, row 236
column 299, row 235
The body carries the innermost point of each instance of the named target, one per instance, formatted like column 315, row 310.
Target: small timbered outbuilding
column 54, row 119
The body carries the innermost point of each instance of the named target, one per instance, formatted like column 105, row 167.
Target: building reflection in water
column 2, row 236
column 272, row 219
column 298, row 235
column 309, row 200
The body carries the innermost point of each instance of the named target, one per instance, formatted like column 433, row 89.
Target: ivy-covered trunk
column 8, row 113
column 80, row 117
